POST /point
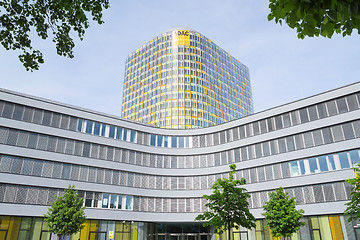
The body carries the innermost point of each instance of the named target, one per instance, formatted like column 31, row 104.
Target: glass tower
column 182, row 80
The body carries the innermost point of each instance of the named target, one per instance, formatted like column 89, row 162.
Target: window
column 344, row 161
column 112, row 132
column 152, row 140
column 331, row 162
column 113, row 201
column 323, row 164
column 294, row 168
column 89, row 125
column 313, row 165
column 354, row 156
column 105, row 201
column 79, row 127
column 128, row 202
column 174, row 142
column 124, row 137
column 119, row 133
column 97, row 128
column 132, row 136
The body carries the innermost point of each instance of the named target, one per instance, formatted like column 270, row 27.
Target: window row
column 300, row 141
column 108, row 201
column 318, row 111
column 48, row 169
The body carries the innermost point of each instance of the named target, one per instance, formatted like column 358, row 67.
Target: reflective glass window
column 132, row 136
column 113, row 201
column 119, row 133
column 294, row 168
column 152, row 140
column 286, row 119
column 105, row 201
column 103, row 129
column 341, row 103
column 323, row 164
column 302, row 167
column 89, row 125
column 159, row 141
column 321, row 110
column 124, row 134
column 354, row 156
column 128, row 202
column 97, row 128
column 174, row 142
column 181, row 142
column 331, row 162
column 313, row 165
column 344, row 161
column 79, row 126
column 165, row 141
column 112, row 132
column 119, row 203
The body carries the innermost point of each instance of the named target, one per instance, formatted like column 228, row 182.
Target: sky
column 282, row 67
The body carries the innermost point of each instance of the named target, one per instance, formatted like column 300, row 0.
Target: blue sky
column 282, row 67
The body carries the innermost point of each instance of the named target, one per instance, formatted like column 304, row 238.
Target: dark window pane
column 304, row 115
column 322, row 110
column 341, row 103
column 352, row 102
column 313, row 113
column 344, row 161
column 348, row 131
column 323, row 164
column 331, row 106
column 286, row 119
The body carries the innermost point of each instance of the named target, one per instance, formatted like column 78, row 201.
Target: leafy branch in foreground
column 228, row 205
column 353, row 207
column 60, row 18
column 317, row 17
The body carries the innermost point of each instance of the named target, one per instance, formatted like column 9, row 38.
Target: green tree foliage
column 353, row 207
column 281, row 214
column 317, row 17
column 66, row 214
column 57, row 18
column 228, row 205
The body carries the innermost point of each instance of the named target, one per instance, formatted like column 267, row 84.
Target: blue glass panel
column 119, row 133
column 181, row 142
column 105, row 201
column 187, row 142
column 124, row 135
column 165, row 141
column 97, row 128
column 128, row 202
column 302, row 167
column 159, row 141
column 331, row 162
column 119, row 202
column 344, row 161
column 294, row 168
column 313, row 165
column 152, row 140
column 174, row 142
column 103, row 128
column 79, row 126
column 323, row 164
column 354, row 156
column 132, row 136
column 112, row 132
column 113, row 201
column 89, row 125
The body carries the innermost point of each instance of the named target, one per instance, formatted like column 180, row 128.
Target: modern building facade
column 182, row 80
column 141, row 182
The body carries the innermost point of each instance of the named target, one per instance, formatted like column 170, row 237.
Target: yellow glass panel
column 2, row 234
column 37, row 228
column 336, row 230
column 134, row 231
column 314, row 222
column 4, row 222
column 126, row 236
column 94, row 226
column 14, row 228
column 85, row 231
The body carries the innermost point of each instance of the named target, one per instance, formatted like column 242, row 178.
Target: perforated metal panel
column 329, row 192
column 195, row 141
column 107, row 177
column 60, row 148
column 43, row 142
column 32, row 195
column 308, row 194
column 43, row 196
column 47, row 169
column 151, row 204
column 5, row 164
column 23, row 139
column 117, row 156
column 21, row 194
column 158, row 205
column 83, row 173
column 51, row 196
column 174, row 207
column 152, row 181
column 110, row 155
column 299, row 195
column 92, row 174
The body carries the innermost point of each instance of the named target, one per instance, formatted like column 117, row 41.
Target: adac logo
column 183, row 33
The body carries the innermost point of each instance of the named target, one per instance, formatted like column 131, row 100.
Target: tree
column 281, row 214
column 66, row 214
column 317, row 17
column 353, row 207
column 228, row 205
column 60, row 18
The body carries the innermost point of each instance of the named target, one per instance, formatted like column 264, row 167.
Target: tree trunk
column 229, row 230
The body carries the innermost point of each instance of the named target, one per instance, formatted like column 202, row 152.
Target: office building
column 143, row 182
column 182, row 80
